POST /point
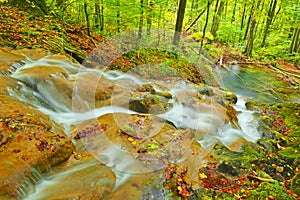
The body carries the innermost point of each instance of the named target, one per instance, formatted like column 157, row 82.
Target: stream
column 68, row 96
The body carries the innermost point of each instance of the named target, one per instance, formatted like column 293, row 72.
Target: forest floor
column 271, row 168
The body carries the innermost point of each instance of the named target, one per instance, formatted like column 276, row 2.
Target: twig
column 262, row 179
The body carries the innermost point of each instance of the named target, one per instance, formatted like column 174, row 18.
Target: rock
column 85, row 180
column 55, row 82
column 27, row 143
column 9, row 57
column 251, row 105
column 148, row 103
column 138, row 142
column 228, row 168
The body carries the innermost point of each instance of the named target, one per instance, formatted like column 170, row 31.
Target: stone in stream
column 27, row 143
column 54, row 79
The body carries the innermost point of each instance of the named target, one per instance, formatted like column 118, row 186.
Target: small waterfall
column 50, row 86
column 29, row 185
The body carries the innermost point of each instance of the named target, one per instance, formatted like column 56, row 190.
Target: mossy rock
column 148, row 103
column 266, row 190
column 231, row 97
column 295, row 184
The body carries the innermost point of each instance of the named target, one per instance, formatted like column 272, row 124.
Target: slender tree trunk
column 295, row 45
column 216, row 19
column 204, row 29
column 118, row 16
column 233, row 11
column 243, row 16
column 179, row 21
column 87, row 18
column 97, row 16
column 271, row 13
column 249, row 20
column 102, row 17
column 141, row 19
column 251, row 36
column 149, row 17
column 226, row 6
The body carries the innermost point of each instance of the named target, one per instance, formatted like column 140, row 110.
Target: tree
column 118, row 16
column 149, row 16
column 87, row 18
column 216, row 20
column 233, row 11
column 204, row 29
column 251, row 35
column 141, row 19
column 271, row 13
column 295, row 44
column 179, row 21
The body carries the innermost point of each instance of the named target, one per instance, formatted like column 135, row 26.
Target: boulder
column 26, row 141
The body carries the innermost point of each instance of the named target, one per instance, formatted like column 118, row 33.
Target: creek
column 66, row 92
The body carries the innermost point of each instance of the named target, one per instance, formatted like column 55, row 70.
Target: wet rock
column 136, row 142
column 148, row 103
column 228, row 168
column 87, row 179
column 60, row 89
column 27, row 142
column 9, row 57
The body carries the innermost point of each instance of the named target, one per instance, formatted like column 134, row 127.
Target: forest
column 150, row 99
column 261, row 29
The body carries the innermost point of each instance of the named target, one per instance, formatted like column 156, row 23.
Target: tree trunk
column 249, row 20
column 97, row 16
column 179, row 21
column 243, row 16
column 141, row 19
column 271, row 13
column 295, row 45
column 251, row 36
column 233, row 11
column 118, row 16
column 204, row 29
column 102, row 17
column 216, row 19
column 149, row 17
column 87, row 18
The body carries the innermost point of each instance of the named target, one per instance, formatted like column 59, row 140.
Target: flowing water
column 60, row 95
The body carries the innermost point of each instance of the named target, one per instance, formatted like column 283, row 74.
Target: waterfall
column 61, row 90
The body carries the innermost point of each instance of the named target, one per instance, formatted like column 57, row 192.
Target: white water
column 204, row 117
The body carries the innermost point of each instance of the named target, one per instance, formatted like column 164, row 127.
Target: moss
column 290, row 153
column 295, row 184
column 266, row 190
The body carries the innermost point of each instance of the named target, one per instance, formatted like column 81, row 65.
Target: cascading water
column 53, row 87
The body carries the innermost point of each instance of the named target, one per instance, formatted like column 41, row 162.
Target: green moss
column 295, row 184
column 266, row 190
column 290, row 153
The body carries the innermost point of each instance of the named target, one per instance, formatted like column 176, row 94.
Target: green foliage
column 199, row 35
column 266, row 190
column 228, row 33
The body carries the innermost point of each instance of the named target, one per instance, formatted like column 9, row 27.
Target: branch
column 195, row 20
column 262, row 179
